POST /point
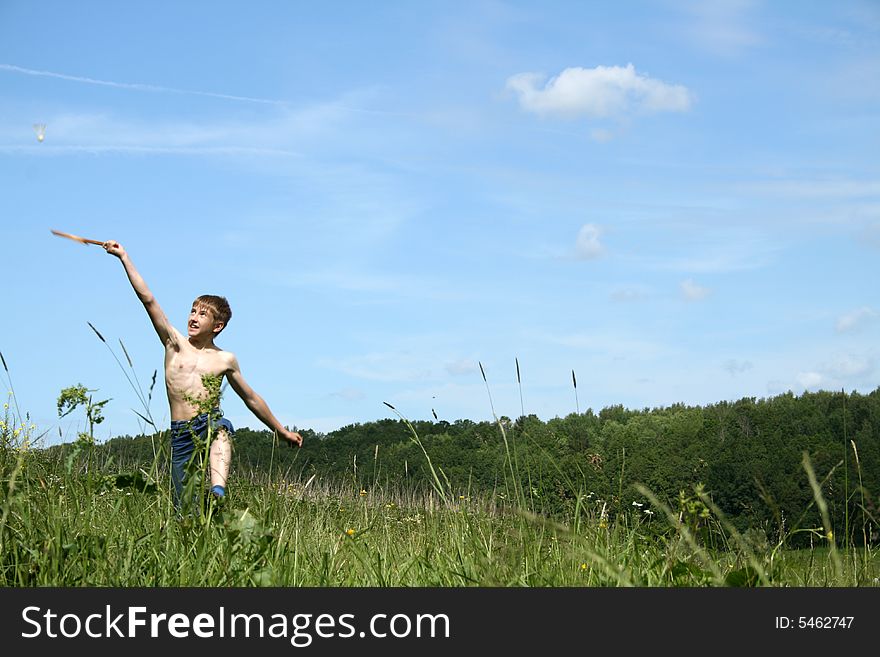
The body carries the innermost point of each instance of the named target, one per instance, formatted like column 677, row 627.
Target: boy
column 187, row 360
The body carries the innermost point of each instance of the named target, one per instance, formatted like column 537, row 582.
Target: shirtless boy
column 187, row 359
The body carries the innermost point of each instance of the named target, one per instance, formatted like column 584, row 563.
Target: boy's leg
column 221, row 455
column 182, row 448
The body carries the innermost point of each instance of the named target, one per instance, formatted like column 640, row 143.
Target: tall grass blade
column 845, row 478
column 823, row 511
column 491, row 404
column 435, row 479
column 522, row 408
column 11, row 388
column 135, row 385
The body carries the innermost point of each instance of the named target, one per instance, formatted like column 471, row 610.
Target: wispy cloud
column 587, row 246
column 461, row 367
column 234, row 151
column 856, row 26
column 871, row 235
column 809, row 380
column 284, row 132
column 712, row 252
column 734, row 366
column 855, row 319
column 612, row 345
column 387, row 366
column 367, row 286
column 850, row 366
column 692, row 291
column 721, row 27
column 815, row 188
column 601, row 135
column 730, row 259
column 349, row 394
column 341, row 105
column 628, row 293
column 600, row 92
column 841, row 371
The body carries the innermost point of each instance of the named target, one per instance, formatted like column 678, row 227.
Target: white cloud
column 809, row 380
column 850, row 367
column 461, row 367
column 692, row 291
column 601, row 92
column 855, row 319
column 588, row 246
column 835, row 372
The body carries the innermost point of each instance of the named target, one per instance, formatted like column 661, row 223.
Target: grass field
column 79, row 522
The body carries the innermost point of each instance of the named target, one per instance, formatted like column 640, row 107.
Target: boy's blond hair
column 217, row 305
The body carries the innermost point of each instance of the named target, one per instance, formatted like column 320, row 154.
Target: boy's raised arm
column 166, row 332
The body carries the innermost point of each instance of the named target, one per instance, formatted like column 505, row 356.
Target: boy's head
column 218, row 306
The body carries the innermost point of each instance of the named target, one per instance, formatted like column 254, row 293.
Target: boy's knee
column 221, row 445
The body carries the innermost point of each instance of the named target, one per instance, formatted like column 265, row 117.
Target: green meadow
column 413, row 512
column 64, row 528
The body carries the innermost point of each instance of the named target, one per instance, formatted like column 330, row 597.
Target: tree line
column 750, row 456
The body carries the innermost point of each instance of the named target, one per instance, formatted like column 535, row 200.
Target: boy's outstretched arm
column 160, row 322
column 257, row 405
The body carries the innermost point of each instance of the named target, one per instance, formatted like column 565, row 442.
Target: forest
column 751, row 457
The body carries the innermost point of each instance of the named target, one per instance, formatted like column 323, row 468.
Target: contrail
column 137, row 87
column 152, row 88
column 149, row 150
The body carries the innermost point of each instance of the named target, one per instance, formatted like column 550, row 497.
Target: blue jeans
column 183, row 444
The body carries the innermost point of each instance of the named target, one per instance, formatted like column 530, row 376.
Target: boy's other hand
column 114, row 248
column 292, row 438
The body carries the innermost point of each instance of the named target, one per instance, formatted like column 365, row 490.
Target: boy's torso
column 185, row 366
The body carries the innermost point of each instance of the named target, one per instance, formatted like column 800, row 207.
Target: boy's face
column 201, row 321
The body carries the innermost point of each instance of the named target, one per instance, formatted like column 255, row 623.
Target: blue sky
column 680, row 201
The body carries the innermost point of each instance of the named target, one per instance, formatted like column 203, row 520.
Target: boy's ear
column 218, row 326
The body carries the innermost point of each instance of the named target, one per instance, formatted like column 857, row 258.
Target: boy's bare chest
column 190, row 362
